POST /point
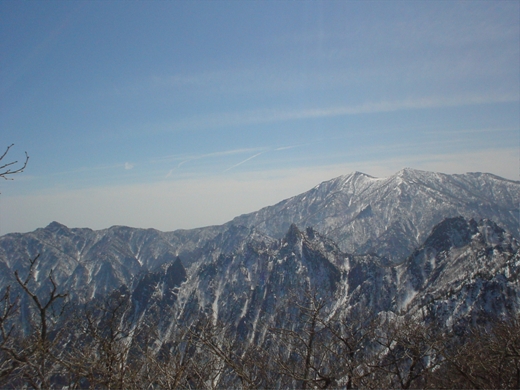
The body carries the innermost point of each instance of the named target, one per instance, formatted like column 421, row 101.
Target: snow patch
column 214, row 305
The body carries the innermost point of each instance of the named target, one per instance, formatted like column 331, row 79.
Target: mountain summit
column 390, row 216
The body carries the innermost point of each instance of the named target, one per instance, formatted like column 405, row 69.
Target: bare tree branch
column 7, row 169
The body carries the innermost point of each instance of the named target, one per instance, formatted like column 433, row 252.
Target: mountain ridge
column 334, row 207
column 388, row 217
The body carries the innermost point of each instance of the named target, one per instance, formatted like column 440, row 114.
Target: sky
column 182, row 114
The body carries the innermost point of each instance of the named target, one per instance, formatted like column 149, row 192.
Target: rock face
column 253, row 285
column 418, row 243
column 463, row 270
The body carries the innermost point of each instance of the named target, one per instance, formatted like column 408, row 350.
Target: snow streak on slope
column 463, row 270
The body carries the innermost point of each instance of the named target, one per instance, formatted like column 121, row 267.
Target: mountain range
column 413, row 240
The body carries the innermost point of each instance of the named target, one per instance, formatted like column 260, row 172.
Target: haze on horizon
column 185, row 114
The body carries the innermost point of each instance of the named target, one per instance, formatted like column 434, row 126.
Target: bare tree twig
column 6, row 170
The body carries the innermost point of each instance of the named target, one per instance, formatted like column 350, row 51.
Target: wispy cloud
column 252, row 117
column 225, row 153
column 475, row 131
column 185, row 159
column 265, row 150
column 243, row 161
column 288, row 147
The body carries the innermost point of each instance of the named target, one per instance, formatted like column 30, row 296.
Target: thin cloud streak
column 475, row 131
column 277, row 149
column 207, row 156
column 276, row 115
column 242, row 162
column 185, row 157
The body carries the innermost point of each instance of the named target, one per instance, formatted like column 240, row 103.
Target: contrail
column 241, row 162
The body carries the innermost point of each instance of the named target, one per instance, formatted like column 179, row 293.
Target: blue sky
column 183, row 114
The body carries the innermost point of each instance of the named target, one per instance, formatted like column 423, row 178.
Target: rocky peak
column 56, row 227
column 293, row 236
column 451, row 232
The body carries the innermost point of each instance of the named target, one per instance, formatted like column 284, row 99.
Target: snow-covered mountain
column 82, row 261
column 391, row 216
column 359, row 229
column 464, row 269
